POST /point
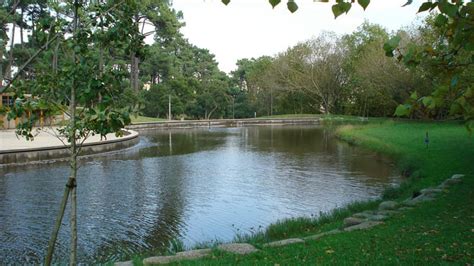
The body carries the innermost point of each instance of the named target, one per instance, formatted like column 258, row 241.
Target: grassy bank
column 450, row 149
column 145, row 119
column 438, row 232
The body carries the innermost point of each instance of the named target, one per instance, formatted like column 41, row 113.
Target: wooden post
column 41, row 118
column 169, row 107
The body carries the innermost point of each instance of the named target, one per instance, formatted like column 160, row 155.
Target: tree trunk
column 8, row 73
column 71, row 184
column 210, row 113
column 21, row 29
column 73, row 162
column 73, row 256
column 101, row 69
column 134, row 62
column 1, row 69
column 57, row 226
column 271, row 101
column 55, row 57
column 134, row 72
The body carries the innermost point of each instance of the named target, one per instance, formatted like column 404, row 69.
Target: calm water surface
column 195, row 185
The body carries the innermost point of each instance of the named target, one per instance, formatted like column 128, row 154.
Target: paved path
column 44, row 138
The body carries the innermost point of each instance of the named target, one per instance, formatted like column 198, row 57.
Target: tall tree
column 83, row 85
column 315, row 68
column 376, row 83
column 165, row 24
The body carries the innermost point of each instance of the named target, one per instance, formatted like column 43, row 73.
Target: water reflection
column 193, row 184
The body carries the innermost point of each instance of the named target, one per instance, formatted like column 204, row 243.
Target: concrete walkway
column 44, row 138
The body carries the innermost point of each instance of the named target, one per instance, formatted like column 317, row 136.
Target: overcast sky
column 251, row 28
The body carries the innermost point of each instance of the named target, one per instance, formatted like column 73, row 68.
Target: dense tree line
column 348, row 74
column 330, row 74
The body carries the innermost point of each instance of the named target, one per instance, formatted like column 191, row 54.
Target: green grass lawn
column 289, row 116
column 145, row 119
column 322, row 116
column 435, row 233
column 327, row 119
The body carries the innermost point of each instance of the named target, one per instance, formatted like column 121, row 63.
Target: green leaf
column 391, row 45
column 441, row 20
column 394, row 41
column 448, row 8
column 414, row 96
column 347, row 7
column 402, row 110
column 469, row 46
column 440, row 91
column 425, row 6
column 469, row 92
column 408, row 3
column 428, row 102
column 455, row 108
column 292, row 6
column 274, row 3
column 410, row 57
column 226, row 2
column 337, row 10
column 340, row 8
column 364, row 3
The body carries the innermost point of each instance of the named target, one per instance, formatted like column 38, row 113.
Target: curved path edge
column 223, row 123
column 26, row 155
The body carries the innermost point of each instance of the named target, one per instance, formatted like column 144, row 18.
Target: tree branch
column 44, row 47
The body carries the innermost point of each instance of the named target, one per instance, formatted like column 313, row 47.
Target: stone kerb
column 44, row 151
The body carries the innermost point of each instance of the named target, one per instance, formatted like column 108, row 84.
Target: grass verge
column 145, row 119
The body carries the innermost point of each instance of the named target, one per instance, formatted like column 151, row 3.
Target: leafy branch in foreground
column 450, row 57
column 74, row 75
column 339, row 8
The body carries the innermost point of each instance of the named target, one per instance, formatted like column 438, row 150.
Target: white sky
column 251, row 28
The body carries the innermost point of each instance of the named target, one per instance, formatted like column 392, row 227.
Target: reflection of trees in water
column 171, row 209
column 178, row 142
column 371, row 164
column 169, row 197
column 321, row 145
column 157, row 143
column 296, row 140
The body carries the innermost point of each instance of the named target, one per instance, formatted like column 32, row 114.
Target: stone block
column 284, row 242
column 388, row 205
column 237, row 248
column 362, row 226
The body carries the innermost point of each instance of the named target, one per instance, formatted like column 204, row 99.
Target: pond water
column 195, row 185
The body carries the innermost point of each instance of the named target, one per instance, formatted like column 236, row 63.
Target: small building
column 8, row 99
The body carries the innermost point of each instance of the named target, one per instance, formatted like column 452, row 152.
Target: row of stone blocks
column 358, row 221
